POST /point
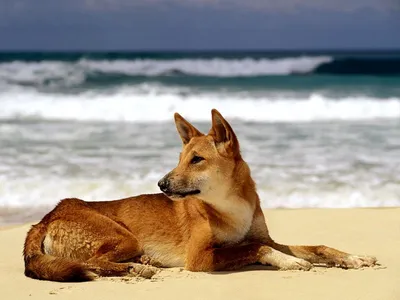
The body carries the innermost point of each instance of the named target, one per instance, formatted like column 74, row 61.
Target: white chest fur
column 239, row 216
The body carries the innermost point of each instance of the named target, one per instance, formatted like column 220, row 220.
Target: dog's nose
column 163, row 184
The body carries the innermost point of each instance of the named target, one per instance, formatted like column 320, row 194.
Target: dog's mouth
column 182, row 194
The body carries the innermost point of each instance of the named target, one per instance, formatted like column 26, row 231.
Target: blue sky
column 198, row 24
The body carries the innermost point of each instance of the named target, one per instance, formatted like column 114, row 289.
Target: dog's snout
column 163, row 184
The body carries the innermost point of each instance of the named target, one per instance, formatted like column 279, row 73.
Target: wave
column 132, row 105
column 74, row 73
column 83, row 70
column 246, row 67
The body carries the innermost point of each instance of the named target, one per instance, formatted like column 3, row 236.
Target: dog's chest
column 236, row 226
column 231, row 236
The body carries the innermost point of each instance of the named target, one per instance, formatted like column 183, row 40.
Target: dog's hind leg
column 328, row 256
column 105, row 247
column 109, row 258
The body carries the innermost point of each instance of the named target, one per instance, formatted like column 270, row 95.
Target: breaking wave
column 131, row 105
column 78, row 72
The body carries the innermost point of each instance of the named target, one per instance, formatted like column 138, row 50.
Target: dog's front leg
column 281, row 260
column 207, row 259
column 230, row 258
column 329, row 256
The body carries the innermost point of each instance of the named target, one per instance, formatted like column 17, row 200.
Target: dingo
column 208, row 218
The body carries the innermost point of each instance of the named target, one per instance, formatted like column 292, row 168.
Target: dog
column 207, row 218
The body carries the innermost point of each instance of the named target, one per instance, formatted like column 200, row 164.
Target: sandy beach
column 360, row 231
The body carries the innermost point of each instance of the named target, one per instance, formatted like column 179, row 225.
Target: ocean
column 318, row 129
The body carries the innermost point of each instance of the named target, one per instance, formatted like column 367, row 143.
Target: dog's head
column 207, row 163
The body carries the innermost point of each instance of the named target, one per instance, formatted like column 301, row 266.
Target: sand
column 360, row 231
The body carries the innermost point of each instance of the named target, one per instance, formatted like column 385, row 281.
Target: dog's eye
column 196, row 159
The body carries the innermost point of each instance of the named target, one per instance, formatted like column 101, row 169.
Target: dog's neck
column 240, row 192
column 232, row 211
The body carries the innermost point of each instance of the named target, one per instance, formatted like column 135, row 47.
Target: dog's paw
column 147, row 260
column 295, row 264
column 144, row 271
column 356, row 262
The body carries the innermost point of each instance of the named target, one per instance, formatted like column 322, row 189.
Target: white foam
column 38, row 73
column 38, row 191
column 43, row 192
column 130, row 105
column 209, row 67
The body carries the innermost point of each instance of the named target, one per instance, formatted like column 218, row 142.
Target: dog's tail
column 39, row 265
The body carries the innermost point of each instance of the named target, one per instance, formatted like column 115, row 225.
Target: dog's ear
column 185, row 129
column 223, row 134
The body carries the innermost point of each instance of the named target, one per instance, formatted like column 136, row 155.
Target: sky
column 199, row 24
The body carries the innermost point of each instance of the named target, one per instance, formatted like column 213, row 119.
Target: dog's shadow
column 250, row 268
